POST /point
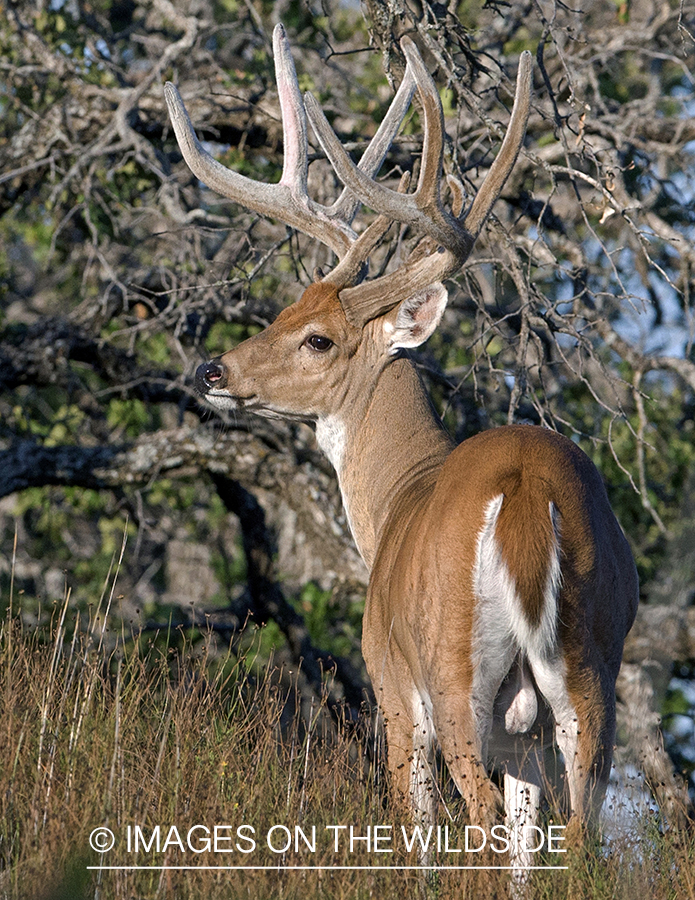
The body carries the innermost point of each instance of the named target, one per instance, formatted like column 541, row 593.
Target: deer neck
column 381, row 448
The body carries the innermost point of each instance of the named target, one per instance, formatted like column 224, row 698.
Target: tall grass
column 97, row 732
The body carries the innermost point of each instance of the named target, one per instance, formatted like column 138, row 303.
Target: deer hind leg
column 520, row 759
column 463, row 740
column 464, row 719
column 584, row 731
column 410, row 738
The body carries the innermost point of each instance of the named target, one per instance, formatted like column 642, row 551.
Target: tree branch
column 270, row 602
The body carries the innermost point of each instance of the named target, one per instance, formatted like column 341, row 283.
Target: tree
column 119, row 273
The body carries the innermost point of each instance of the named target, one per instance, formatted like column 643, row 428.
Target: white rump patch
column 502, row 630
column 500, row 608
column 501, row 634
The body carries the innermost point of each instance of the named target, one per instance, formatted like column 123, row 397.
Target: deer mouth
column 223, row 399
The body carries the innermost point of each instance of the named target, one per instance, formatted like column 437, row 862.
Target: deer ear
column 414, row 320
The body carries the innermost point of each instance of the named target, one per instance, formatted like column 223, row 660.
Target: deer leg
column 463, row 718
column 588, row 776
column 522, row 800
column 463, row 737
column 410, row 740
column 584, row 731
column 422, row 779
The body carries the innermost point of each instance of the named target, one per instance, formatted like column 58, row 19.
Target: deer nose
column 210, row 375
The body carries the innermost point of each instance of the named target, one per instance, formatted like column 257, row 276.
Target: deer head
column 308, row 360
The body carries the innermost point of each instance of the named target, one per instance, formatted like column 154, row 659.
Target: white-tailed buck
column 501, row 585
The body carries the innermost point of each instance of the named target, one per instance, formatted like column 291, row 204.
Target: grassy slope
column 91, row 736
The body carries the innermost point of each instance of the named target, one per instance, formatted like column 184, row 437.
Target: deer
column 501, row 586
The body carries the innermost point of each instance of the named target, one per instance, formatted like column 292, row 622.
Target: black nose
column 209, row 375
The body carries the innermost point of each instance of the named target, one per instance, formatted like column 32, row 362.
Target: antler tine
column 373, row 298
column 511, row 145
column 288, row 200
column 426, row 196
column 352, row 266
column 295, row 167
column 348, row 203
column 422, row 209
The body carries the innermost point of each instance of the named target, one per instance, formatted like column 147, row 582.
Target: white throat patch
column 330, row 434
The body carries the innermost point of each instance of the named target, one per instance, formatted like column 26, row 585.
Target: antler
column 288, row 200
column 453, row 235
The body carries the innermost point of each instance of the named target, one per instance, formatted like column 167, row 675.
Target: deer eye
column 319, row 343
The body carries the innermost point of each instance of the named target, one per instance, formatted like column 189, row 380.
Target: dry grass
column 134, row 735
